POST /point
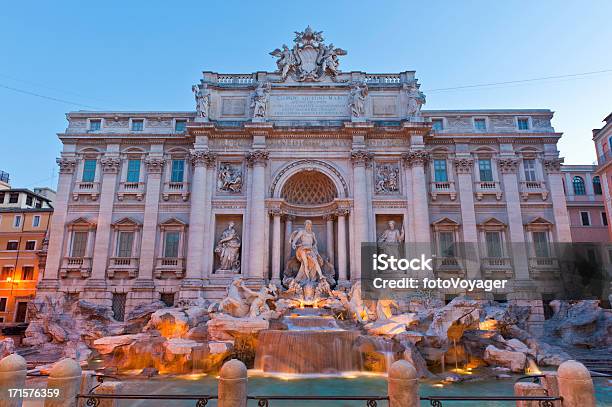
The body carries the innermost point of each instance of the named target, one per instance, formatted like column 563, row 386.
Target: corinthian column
column 155, row 165
column 553, row 169
column 110, row 168
column 417, row 160
column 201, row 160
column 288, row 229
column 342, row 213
column 464, row 167
column 257, row 160
column 329, row 220
column 508, row 168
column 58, row 221
column 276, row 244
column 360, row 159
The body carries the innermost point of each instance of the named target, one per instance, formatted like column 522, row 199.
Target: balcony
column 80, row 265
column 136, row 189
column 91, row 189
column 533, row 188
column 443, row 188
column 176, row 188
column 127, row 265
column 448, row 266
column 482, row 188
column 544, row 265
column 491, row 266
column 170, row 265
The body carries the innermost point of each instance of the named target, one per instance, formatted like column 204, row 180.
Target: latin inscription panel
column 308, row 106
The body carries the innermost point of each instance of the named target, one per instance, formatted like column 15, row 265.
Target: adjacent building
column 148, row 201
column 603, row 146
column 24, row 222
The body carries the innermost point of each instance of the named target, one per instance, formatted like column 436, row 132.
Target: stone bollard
column 575, row 385
column 13, row 371
column 65, row 375
column 403, row 385
column 530, row 390
column 233, row 384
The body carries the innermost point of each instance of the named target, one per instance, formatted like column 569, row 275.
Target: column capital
column 110, row 165
column 155, row 165
column 553, row 165
column 275, row 211
column 343, row 211
column 464, row 165
column 508, row 165
column 257, row 157
column 200, row 158
column 66, row 165
column 361, row 157
column 416, row 158
column 289, row 218
column 329, row 217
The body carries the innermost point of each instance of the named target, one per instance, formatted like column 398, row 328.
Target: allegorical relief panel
column 386, row 178
column 229, row 177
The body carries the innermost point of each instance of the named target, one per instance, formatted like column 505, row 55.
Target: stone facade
column 146, row 196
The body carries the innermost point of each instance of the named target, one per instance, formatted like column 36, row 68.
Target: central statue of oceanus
column 304, row 242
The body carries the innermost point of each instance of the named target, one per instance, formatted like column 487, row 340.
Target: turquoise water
column 330, row 386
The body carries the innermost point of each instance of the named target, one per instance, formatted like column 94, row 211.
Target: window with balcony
column 493, row 241
column 12, row 245
column 27, row 273
column 79, row 244
column 440, row 173
column 597, row 185
column 485, row 170
column 437, row 124
column 540, row 244
column 446, row 243
column 171, row 244
column 522, row 123
column 480, row 124
column 585, row 218
column 30, row 245
column 578, row 183
column 125, row 241
column 530, row 169
column 137, row 125
column 133, row 170
column 178, row 171
column 180, row 126
column 89, row 170
column 95, row 124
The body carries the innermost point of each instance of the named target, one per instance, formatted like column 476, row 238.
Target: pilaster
column 552, row 167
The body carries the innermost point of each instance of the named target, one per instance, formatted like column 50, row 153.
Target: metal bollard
column 233, row 384
column 403, row 385
column 65, row 375
column 575, row 385
column 13, row 371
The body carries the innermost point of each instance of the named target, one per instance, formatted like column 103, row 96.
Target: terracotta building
column 603, row 146
column 24, row 222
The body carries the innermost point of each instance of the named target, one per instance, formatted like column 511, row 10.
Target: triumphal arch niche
column 324, row 150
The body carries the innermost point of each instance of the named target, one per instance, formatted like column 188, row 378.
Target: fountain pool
column 347, row 384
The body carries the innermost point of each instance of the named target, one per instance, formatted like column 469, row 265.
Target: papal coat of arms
column 309, row 59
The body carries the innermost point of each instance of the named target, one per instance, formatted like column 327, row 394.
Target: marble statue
column 356, row 307
column 229, row 178
column 242, row 302
column 304, row 242
column 228, row 250
column 384, row 309
column 309, row 59
column 260, row 100
column 357, row 97
column 416, row 99
column 202, row 97
column 391, row 239
column 387, row 179
column 234, row 303
column 258, row 300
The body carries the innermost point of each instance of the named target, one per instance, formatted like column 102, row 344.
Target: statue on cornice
column 357, row 97
column 416, row 99
column 260, row 100
column 202, row 98
column 286, row 60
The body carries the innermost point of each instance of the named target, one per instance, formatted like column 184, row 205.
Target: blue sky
column 145, row 55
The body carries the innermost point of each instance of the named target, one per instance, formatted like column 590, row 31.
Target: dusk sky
column 146, row 55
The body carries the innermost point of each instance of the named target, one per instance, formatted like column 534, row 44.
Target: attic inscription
column 308, row 105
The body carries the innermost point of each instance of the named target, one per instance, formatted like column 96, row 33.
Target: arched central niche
column 309, row 188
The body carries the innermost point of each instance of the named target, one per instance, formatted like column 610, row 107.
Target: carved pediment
column 445, row 222
column 81, row 222
column 126, row 222
column 492, row 223
column 539, row 221
column 173, row 222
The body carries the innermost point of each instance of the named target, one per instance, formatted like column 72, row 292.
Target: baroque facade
column 173, row 205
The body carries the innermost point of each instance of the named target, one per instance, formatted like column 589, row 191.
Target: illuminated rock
column 516, row 361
